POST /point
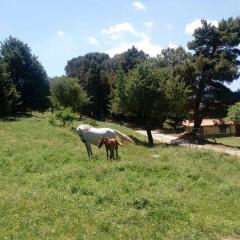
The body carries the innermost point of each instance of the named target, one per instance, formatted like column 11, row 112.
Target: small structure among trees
column 213, row 127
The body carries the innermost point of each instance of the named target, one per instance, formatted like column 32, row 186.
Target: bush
column 63, row 116
column 67, row 92
column 234, row 113
column 91, row 122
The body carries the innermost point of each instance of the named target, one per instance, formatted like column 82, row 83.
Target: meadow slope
column 50, row 190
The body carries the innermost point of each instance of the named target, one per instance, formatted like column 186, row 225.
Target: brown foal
column 111, row 144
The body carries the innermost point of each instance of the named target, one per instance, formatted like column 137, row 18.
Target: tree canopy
column 149, row 93
column 171, row 57
column 26, row 73
column 9, row 97
column 128, row 59
column 234, row 113
column 89, row 71
column 67, row 92
column 215, row 59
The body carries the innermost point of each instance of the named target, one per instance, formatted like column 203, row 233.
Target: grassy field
column 50, row 190
column 228, row 141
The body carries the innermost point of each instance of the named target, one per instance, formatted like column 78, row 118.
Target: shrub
column 64, row 116
column 91, row 122
column 234, row 112
column 68, row 93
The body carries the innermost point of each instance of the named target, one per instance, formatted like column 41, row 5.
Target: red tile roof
column 207, row 122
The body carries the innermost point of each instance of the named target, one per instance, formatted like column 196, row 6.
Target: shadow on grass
column 200, row 140
column 17, row 117
column 146, row 144
column 9, row 119
column 224, row 145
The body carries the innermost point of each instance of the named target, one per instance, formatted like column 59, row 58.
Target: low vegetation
column 227, row 141
column 50, row 190
column 234, row 113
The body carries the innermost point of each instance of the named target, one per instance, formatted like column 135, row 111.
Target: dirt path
column 170, row 139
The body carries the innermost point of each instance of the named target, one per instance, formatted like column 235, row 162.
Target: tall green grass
column 50, row 190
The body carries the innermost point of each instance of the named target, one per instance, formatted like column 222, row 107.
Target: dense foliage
column 9, row 97
column 126, row 83
column 26, row 73
column 67, row 92
column 215, row 60
column 97, row 74
column 89, row 70
column 234, row 113
column 150, row 94
column 62, row 116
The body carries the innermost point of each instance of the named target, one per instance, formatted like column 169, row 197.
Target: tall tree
column 149, row 94
column 175, row 58
column 171, row 57
column 9, row 97
column 216, row 100
column 215, row 59
column 26, row 73
column 128, row 59
column 89, row 70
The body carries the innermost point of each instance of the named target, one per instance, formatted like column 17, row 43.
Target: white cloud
column 148, row 24
column 60, row 33
column 93, row 41
column 138, row 5
column 120, row 49
column 186, row 49
column 119, row 28
column 172, row 45
column 144, row 43
column 190, row 27
column 142, row 40
column 147, row 46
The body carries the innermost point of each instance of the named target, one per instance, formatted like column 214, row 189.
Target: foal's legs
column 106, row 151
column 112, row 153
column 116, row 149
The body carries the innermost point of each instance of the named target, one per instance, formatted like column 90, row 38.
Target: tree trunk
column 161, row 124
column 175, row 126
column 197, row 116
column 149, row 134
column 197, row 119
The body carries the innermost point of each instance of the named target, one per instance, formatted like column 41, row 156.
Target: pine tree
column 26, row 73
column 9, row 97
column 215, row 59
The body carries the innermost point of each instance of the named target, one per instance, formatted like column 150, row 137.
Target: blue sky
column 58, row 30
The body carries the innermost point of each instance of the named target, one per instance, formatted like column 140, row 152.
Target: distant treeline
column 174, row 85
column 213, row 61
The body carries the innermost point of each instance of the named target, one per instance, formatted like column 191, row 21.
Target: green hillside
column 50, row 190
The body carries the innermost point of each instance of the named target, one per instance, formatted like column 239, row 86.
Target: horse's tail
column 123, row 136
column 120, row 144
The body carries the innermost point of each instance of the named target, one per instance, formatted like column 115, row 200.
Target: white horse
column 90, row 135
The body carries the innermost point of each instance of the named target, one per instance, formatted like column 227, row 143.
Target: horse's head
column 84, row 127
column 81, row 129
